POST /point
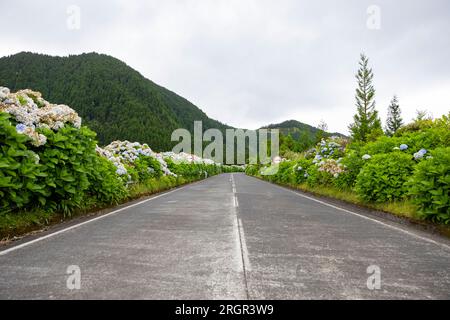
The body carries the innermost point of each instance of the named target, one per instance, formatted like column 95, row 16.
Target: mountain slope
column 296, row 129
column 296, row 136
column 113, row 99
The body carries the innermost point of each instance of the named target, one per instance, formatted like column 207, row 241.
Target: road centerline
column 241, row 237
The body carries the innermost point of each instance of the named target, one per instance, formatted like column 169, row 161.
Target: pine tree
column 394, row 119
column 321, row 133
column 366, row 123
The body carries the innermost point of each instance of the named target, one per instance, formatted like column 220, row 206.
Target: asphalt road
column 230, row 237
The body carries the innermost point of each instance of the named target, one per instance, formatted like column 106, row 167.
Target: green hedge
column 383, row 177
column 430, row 186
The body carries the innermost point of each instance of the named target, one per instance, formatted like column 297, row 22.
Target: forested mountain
column 298, row 129
column 295, row 128
column 113, row 99
column 297, row 136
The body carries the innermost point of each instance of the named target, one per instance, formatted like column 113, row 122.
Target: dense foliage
column 48, row 161
column 430, row 185
column 383, row 177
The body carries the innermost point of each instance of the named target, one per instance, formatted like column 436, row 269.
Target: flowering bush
column 31, row 112
column 135, row 158
column 430, row 186
column 184, row 157
column 331, row 148
column 19, row 169
column 300, row 170
column 435, row 134
column 106, row 187
column 331, row 166
column 383, row 177
column 48, row 161
column 352, row 164
column 283, row 173
column 70, row 163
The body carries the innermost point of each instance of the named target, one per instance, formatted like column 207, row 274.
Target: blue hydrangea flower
column 20, row 128
column 121, row 171
column 403, row 147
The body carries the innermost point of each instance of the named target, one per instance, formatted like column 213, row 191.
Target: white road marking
column 244, row 247
column 85, row 222
column 368, row 218
column 238, row 245
column 240, row 238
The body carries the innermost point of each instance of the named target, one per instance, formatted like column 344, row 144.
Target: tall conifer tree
column 366, row 121
column 394, row 118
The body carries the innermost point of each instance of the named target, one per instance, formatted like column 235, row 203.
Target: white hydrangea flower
column 29, row 109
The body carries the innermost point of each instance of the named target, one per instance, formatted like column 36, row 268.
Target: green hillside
column 296, row 129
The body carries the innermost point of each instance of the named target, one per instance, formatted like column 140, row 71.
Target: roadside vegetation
column 51, row 167
column 404, row 169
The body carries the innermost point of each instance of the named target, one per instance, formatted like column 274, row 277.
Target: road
column 229, row 237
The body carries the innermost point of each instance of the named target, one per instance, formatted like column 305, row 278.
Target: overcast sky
column 249, row 63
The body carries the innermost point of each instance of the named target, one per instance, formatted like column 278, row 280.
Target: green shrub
column 147, row 167
column 68, row 159
column 19, row 170
column 424, row 134
column 106, row 186
column 353, row 164
column 252, row 169
column 383, row 177
column 318, row 178
column 283, row 174
column 430, row 186
column 299, row 171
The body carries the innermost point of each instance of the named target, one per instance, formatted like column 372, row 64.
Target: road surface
column 229, row 237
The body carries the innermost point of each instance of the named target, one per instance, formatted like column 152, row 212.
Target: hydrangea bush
column 383, row 177
column 48, row 160
column 430, row 186
column 129, row 156
column 387, row 169
column 31, row 112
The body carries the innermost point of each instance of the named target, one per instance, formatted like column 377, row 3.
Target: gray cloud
column 249, row 63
